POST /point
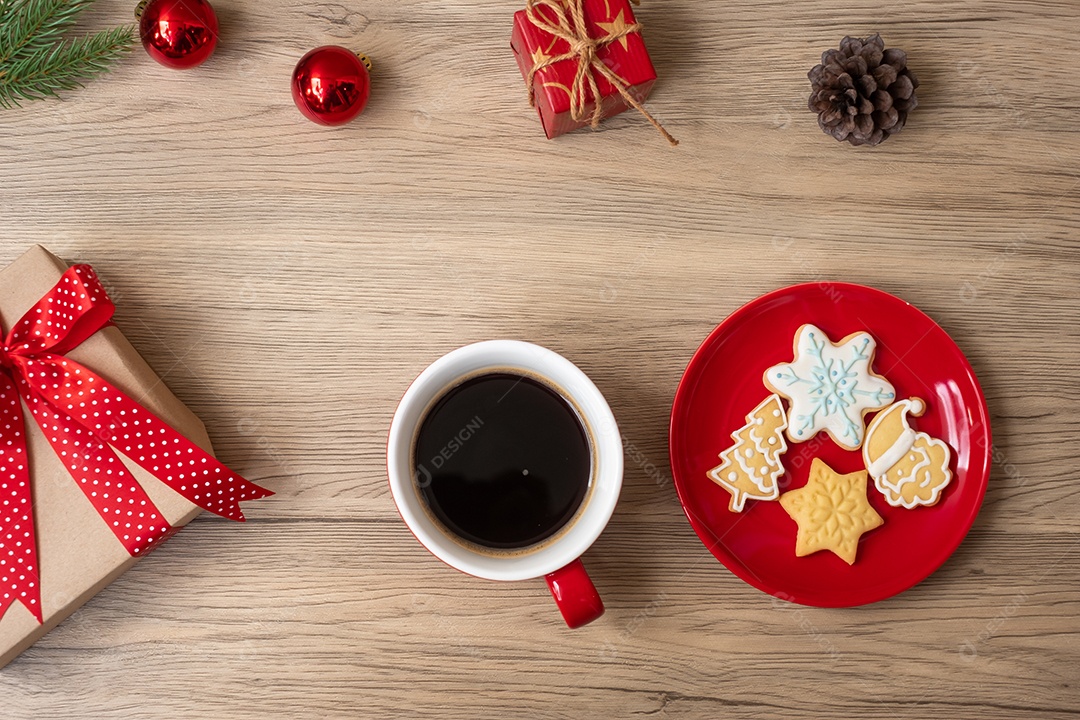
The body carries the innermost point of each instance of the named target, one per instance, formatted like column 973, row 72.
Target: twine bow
column 569, row 25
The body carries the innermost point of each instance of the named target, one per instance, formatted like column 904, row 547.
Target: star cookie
column 832, row 512
column 830, row 386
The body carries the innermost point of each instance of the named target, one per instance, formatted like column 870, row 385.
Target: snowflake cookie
column 830, row 386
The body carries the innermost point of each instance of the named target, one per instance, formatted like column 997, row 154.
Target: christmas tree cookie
column 909, row 468
column 832, row 512
column 830, row 386
column 751, row 467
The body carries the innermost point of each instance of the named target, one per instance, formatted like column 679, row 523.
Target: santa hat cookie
column 909, row 468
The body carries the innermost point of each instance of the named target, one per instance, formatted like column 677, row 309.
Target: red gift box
column 590, row 35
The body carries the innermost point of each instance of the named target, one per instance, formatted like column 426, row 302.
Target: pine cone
column 862, row 92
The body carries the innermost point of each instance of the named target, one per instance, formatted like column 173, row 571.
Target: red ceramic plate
column 723, row 383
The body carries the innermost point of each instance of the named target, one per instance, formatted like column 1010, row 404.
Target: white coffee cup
column 556, row 559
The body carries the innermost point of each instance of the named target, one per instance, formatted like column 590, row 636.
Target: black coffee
column 503, row 461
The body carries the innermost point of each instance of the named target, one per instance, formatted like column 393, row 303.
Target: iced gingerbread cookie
column 832, row 512
column 830, row 386
column 751, row 467
column 909, row 468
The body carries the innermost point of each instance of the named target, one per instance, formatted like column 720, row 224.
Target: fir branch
column 62, row 66
column 32, row 25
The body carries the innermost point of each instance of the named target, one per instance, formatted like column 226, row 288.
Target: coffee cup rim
column 606, row 481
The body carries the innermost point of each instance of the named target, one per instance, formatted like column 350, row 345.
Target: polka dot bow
column 84, row 417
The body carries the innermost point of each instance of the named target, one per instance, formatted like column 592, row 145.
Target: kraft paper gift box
column 77, row 553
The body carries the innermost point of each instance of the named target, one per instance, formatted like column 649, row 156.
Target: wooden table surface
column 288, row 282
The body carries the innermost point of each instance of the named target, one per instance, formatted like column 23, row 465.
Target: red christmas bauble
column 178, row 33
column 330, row 85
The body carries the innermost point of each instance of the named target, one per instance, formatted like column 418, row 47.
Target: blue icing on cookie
column 831, row 386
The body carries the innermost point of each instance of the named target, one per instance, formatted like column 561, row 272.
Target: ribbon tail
column 101, row 475
column 148, row 441
column 19, row 578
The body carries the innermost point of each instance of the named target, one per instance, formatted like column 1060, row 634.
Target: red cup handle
column 575, row 594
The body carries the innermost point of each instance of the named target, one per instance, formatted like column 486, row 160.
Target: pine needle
column 62, row 66
column 36, row 62
column 31, row 25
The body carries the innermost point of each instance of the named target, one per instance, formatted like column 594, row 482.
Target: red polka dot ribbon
column 84, row 418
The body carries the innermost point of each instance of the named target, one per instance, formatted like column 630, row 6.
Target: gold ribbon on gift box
column 569, row 25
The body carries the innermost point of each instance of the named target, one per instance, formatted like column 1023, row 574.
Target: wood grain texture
column 289, row 281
